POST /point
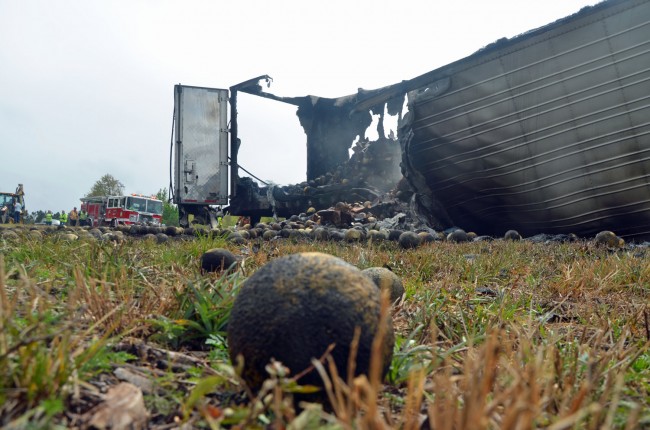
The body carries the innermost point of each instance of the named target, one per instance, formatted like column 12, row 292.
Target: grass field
column 490, row 335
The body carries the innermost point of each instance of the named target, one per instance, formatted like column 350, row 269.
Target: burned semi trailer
column 547, row 132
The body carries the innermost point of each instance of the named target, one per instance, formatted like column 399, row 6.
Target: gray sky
column 86, row 87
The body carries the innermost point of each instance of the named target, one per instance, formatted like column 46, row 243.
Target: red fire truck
column 114, row 210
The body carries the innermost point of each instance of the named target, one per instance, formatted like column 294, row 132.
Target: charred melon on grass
column 294, row 307
column 218, row 260
column 385, row 279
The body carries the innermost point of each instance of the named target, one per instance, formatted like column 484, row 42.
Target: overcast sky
column 86, row 87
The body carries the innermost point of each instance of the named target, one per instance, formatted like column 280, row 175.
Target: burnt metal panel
column 548, row 133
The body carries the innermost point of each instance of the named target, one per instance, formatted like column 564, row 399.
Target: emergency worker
column 83, row 217
column 48, row 218
column 74, row 217
column 18, row 209
column 220, row 218
column 63, row 218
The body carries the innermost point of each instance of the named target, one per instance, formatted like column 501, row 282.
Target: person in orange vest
column 73, row 216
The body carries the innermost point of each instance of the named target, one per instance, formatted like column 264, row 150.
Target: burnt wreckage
column 331, row 127
column 547, row 132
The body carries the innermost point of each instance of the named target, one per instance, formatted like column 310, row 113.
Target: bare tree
column 107, row 185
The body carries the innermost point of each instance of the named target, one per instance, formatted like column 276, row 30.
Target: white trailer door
column 201, row 136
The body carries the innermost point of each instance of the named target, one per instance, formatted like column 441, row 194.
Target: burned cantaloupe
column 293, row 308
column 218, row 260
column 385, row 279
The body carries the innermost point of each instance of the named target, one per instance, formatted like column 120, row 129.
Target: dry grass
column 490, row 335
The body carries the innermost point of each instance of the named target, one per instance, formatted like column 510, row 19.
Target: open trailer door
column 201, row 151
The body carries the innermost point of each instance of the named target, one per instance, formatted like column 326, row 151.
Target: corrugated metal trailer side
column 544, row 133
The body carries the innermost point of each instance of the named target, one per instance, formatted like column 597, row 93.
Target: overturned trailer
column 547, row 132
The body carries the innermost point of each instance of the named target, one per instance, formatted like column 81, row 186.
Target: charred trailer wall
column 330, row 128
column 544, row 133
